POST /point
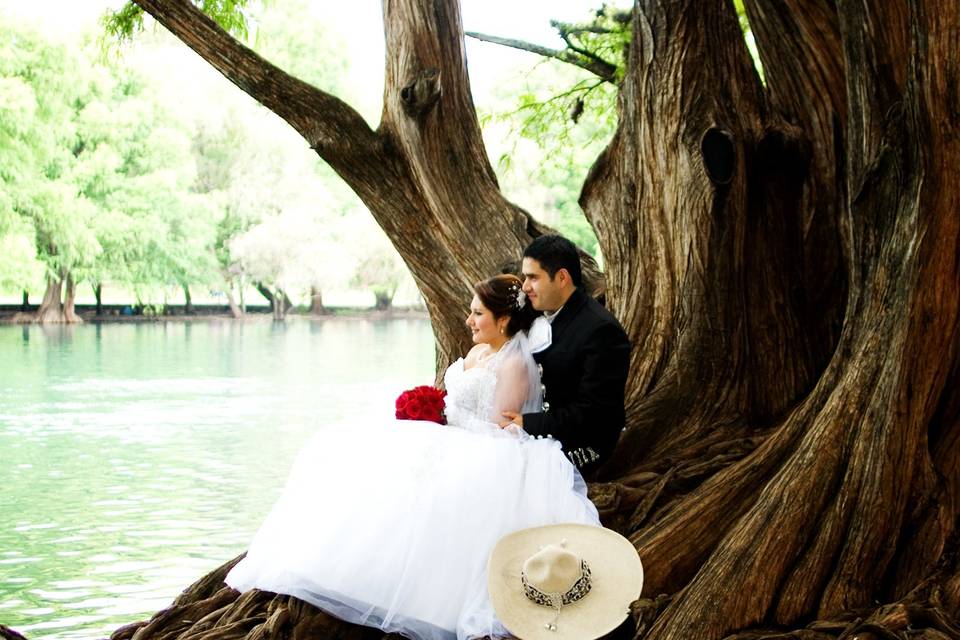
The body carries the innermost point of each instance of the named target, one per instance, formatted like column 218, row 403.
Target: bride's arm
column 512, row 388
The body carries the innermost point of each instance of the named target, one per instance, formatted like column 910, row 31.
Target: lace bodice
column 506, row 380
column 470, row 394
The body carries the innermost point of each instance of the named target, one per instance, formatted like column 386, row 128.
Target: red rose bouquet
column 421, row 403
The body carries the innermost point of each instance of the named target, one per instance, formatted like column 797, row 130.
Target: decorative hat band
column 576, row 592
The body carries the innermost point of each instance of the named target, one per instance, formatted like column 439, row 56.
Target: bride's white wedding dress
column 390, row 524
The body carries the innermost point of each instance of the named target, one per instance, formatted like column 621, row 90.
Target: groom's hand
column 511, row 418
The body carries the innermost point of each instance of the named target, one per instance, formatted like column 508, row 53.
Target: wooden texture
column 785, row 257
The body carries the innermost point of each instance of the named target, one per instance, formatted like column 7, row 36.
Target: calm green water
column 136, row 457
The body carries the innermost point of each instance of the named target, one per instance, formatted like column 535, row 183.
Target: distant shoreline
column 11, row 317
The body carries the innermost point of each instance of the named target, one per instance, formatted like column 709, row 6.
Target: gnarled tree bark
column 785, row 257
column 57, row 306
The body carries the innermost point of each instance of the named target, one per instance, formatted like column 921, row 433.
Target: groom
column 584, row 370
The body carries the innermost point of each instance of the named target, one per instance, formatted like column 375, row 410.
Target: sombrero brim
column 617, row 579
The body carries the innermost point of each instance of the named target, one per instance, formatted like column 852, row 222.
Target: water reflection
column 136, row 457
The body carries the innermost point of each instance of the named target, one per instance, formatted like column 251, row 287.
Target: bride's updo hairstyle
column 503, row 296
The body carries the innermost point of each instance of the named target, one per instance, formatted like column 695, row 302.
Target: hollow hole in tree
column 406, row 94
column 719, row 156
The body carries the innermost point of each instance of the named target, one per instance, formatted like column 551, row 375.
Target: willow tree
column 784, row 256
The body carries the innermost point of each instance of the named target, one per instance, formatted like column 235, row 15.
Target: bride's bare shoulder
column 474, row 355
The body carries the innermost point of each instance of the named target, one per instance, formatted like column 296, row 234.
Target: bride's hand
column 512, row 418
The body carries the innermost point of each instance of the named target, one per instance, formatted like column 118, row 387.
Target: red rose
column 415, row 408
column 421, row 403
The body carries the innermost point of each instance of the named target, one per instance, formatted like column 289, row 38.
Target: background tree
column 378, row 269
column 19, row 268
column 279, row 226
column 784, row 258
column 153, row 231
column 289, row 254
column 160, row 192
column 257, row 169
column 95, row 174
column 43, row 87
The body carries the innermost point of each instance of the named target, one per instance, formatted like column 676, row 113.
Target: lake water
column 134, row 458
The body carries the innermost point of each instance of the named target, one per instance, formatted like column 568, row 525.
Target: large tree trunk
column 382, row 300
column 51, row 309
column 279, row 301
column 57, row 306
column 844, row 493
column 268, row 295
column 69, row 297
column 235, row 310
column 316, row 302
column 279, row 305
column 784, row 257
column 188, row 301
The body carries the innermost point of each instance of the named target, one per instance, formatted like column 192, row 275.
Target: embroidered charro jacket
column 584, row 372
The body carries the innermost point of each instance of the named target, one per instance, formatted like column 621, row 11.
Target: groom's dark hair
column 555, row 252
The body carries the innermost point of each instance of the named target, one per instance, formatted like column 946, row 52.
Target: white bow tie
column 540, row 335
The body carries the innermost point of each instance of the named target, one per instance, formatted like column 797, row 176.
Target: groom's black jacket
column 584, row 375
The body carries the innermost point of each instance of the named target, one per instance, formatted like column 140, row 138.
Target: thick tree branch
column 330, row 125
column 589, row 55
column 594, row 64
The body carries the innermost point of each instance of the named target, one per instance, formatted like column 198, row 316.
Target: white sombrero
column 563, row 581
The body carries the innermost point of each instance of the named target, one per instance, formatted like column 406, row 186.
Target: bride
column 390, row 524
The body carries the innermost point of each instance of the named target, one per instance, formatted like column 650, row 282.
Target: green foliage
column 132, row 162
column 604, row 37
column 94, row 172
column 284, row 219
column 549, row 155
column 37, row 135
column 124, row 23
column 561, row 116
column 379, row 268
column 562, row 105
column 113, row 172
column 748, row 37
column 294, row 40
column 19, row 268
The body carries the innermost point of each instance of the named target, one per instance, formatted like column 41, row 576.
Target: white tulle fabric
column 390, row 524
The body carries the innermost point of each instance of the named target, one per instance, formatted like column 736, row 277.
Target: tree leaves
column 124, row 23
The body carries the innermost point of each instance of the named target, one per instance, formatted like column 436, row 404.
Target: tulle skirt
column 390, row 525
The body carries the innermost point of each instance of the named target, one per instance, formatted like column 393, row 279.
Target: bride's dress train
column 390, row 524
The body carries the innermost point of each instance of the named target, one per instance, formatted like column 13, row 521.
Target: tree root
column 258, row 615
column 890, row 622
column 210, row 610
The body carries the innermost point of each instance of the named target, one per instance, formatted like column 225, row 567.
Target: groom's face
column 545, row 293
